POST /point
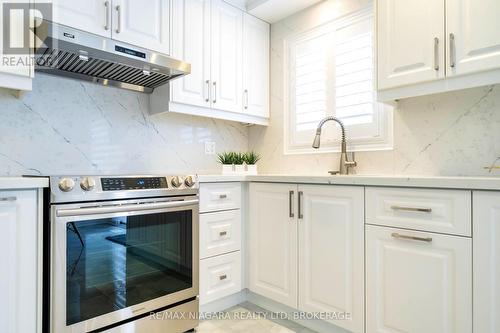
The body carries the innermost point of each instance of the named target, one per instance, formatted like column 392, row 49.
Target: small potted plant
column 251, row 159
column 227, row 160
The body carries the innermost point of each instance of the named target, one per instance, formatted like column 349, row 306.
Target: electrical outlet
column 209, row 148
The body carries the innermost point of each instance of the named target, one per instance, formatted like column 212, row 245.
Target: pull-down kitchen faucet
column 345, row 164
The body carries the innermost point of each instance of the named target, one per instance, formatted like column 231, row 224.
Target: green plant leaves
column 232, row 157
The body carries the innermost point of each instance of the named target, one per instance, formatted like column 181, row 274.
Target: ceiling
column 275, row 10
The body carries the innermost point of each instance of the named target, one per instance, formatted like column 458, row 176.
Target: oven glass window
column 118, row 262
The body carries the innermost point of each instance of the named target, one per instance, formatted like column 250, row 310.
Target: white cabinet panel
column 475, row 45
column 272, row 239
column 408, row 51
column 415, row 286
column 486, row 239
column 255, row 66
column 220, row 196
column 92, row 16
column 144, row 23
column 445, row 211
column 227, row 61
column 220, row 277
column 220, row 233
column 191, row 43
column 19, row 244
column 331, row 256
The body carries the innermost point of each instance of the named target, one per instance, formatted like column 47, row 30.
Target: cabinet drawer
column 220, row 196
column 220, row 277
column 220, row 233
column 443, row 211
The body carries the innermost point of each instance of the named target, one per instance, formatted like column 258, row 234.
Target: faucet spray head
column 317, row 139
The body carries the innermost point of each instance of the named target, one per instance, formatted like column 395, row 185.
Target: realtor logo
column 20, row 22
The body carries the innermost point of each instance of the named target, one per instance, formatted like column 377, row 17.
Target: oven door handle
column 124, row 208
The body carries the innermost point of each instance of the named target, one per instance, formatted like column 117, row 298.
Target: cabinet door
column 144, row 23
column 410, row 42
column 226, row 60
column 272, row 240
column 19, row 257
column 415, row 286
column 486, row 251
column 331, row 256
column 255, row 66
column 475, row 45
column 191, row 43
column 92, row 16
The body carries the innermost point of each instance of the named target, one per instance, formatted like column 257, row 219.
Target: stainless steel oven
column 121, row 251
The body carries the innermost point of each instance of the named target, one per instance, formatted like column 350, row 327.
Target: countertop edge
column 463, row 183
column 22, row 183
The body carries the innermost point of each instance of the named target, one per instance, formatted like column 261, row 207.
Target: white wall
column 447, row 134
column 72, row 127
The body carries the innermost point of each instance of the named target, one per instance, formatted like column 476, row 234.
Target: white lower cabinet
column 220, row 232
column 306, row 248
column 486, row 236
column 19, row 256
column 417, row 282
column 220, row 276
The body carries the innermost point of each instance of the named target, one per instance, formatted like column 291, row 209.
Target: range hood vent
column 79, row 55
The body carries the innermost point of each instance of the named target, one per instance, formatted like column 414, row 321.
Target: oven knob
column 87, row 184
column 66, row 184
column 176, row 181
column 189, row 181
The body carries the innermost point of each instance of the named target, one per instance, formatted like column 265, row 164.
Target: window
column 330, row 71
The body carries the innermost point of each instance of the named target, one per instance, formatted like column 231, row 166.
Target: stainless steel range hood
column 80, row 55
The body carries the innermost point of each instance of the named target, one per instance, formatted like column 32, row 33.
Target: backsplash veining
column 73, row 127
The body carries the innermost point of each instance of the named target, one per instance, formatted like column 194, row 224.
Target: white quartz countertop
column 475, row 183
column 16, row 183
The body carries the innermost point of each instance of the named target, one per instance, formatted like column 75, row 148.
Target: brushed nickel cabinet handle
column 412, row 209
column 8, row 199
column 246, row 99
column 215, row 92
column 223, row 233
column 208, row 91
column 452, row 50
column 119, row 24
column 436, row 54
column 106, row 14
column 420, row 239
column 223, row 277
column 290, row 204
column 300, row 205
column 223, row 196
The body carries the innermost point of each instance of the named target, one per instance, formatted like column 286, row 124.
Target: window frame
column 383, row 112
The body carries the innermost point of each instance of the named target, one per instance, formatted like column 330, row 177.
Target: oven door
column 117, row 260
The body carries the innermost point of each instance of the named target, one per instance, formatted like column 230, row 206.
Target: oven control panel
column 129, row 183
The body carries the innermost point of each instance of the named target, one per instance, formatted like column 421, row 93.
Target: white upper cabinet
column 331, row 258
column 256, row 36
column 144, row 23
column 191, row 43
column 93, row 16
column 272, row 242
column 433, row 46
column 486, row 251
column 410, row 42
column 227, row 60
column 474, row 38
column 417, row 282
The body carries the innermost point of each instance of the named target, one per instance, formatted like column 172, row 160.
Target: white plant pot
column 251, row 169
column 240, row 169
column 228, row 169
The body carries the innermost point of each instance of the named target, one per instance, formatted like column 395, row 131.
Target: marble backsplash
column 456, row 133
column 72, row 127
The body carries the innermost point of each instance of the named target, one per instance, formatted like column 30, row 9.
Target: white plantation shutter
column 331, row 72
